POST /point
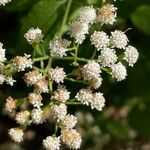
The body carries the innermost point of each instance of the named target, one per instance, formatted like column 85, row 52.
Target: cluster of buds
column 51, row 80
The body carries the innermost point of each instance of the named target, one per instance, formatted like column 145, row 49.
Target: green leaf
column 141, row 19
column 117, row 130
column 43, row 14
column 139, row 119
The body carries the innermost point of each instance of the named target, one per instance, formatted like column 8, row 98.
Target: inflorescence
column 112, row 54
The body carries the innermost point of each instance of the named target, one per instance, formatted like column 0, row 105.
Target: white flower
column 51, row 143
column 61, row 95
column 57, row 74
column 3, row 2
column 96, row 82
column 11, row 104
column 92, row 68
column 58, row 47
column 2, row 53
column 71, row 138
column 118, row 39
column 22, row 62
column 34, row 35
column 131, row 55
column 78, row 30
column 98, row 101
column 107, row 14
column 22, row 117
column 107, row 57
column 100, row 40
column 10, row 81
column 16, row 134
column 32, row 77
column 2, row 78
column 41, row 86
column 58, row 111
column 38, row 116
column 35, row 99
column 119, row 71
column 68, row 122
column 84, row 96
column 87, row 14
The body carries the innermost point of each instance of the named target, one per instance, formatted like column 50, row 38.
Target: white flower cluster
column 16, row 134
column 34, row 35
column 107, row 14
column 22, row 62
column 38, row 80
column 3, row 2
column 61, row 95
column 96, row 100
column 108, row 57
column 51, row 143
column 57, row 74
column 22, row 117
column 58, row 47
column 51, row 79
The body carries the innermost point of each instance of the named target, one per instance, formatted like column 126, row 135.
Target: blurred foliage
column 125, row 121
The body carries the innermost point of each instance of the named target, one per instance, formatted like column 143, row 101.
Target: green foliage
column 143, row 23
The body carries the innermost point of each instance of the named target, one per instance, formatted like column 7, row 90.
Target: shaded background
column 125, row 122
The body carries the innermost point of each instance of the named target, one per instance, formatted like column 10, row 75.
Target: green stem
column 73, row 103
column 40, row 58
column 65, row 17
column 94, row 53
column 78, row 81
column 49, row 64
column 71, row 58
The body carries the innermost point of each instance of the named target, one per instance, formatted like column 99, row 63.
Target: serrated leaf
column 141, row 19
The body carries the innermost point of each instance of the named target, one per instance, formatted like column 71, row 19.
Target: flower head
column 16, row 134
column 51, row 143
column 78, row 30
column 107, row 57
column 92, row 68
column 118, row 39
column 61, row 95
column 57, row 74
column 100, row 40
column 34, row 35
column 22, row 62
column 38, row 116
column 95, row 82
column 71, row 138
column 41, row 86
column 131, row 55
column 58, row 47
column 58, row 111
column 119, row 71
column 35, row 99
column 107, row 14
column 87, row 14
column 22, row 117
column 98, row 101
column 11, row 104
column 68, row 122
column 84, row 96
column 32, row 77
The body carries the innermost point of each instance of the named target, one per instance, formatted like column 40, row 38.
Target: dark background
column 125, row 121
